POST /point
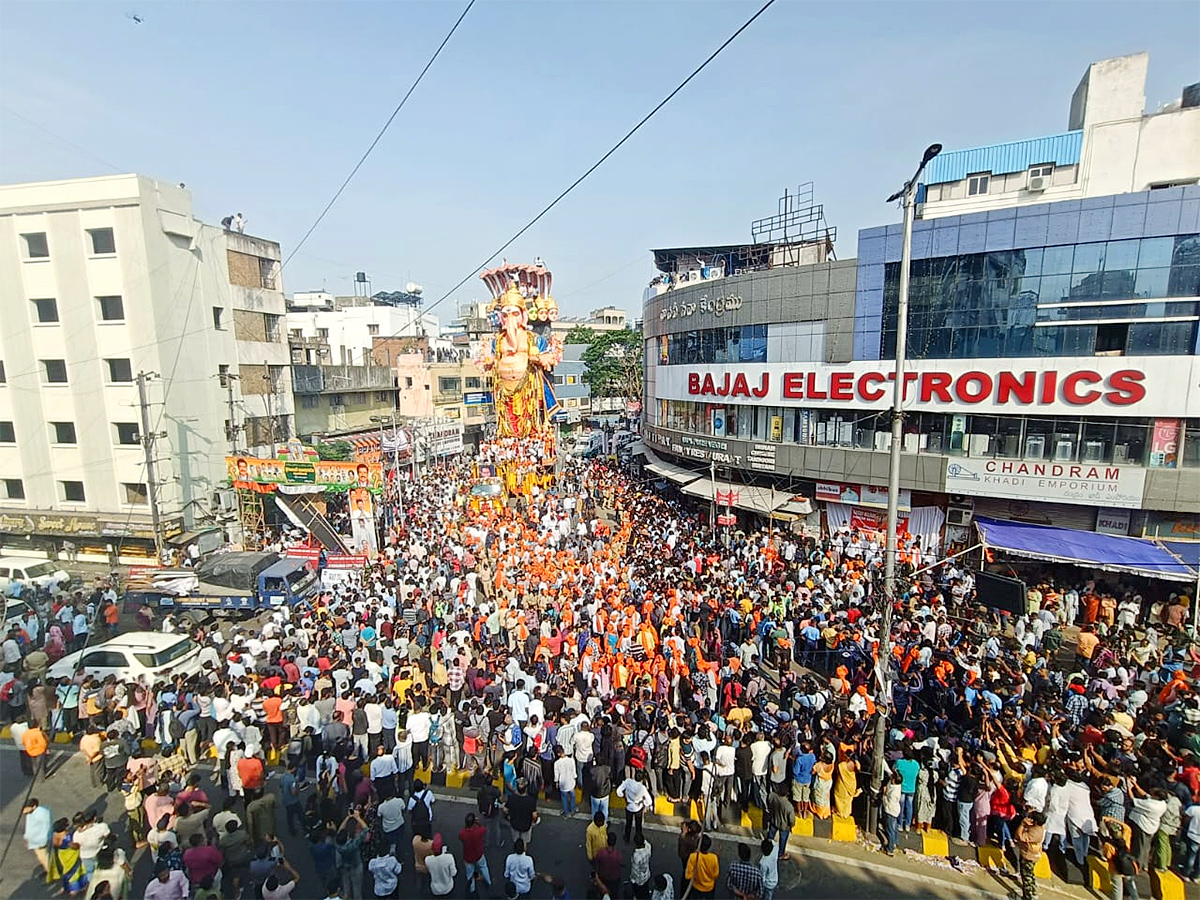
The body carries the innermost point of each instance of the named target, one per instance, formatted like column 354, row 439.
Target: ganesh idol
column 519, row 359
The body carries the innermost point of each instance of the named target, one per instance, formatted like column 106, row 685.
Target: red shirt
column 251, row 771
column 202, row 861
column 472, row 841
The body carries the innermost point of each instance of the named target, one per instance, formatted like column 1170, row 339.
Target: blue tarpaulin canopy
column 1108, row 552
column 1187, row 551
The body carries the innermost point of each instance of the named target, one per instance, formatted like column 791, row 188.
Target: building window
column 219, row 318
column 36, row 246
column 372, row 330
column 112, row 309
column 309, row 401
column 223, row 375
column 14, row 489
column 64, row 432
column 266, row 272
column 473, row 384
column 3, row 377
column 449, row 385
column 408, row 382
column 337, row 400
column 271, row 326
column 136, row 493
column 358, row 398
column 559, row 380
column 1042, row 171
column 103, row 242
column 71, row 492
column 323, row 334
column 54, row 371
column 8, row 434
column 127, row 433
column 45, row 309
column 120, row 371
column 978, row 184
column 572, row 379
column 383, row 396
column 275, row 376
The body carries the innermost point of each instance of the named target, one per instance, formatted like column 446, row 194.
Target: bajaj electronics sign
column 1099, row 485
column 1092, row 386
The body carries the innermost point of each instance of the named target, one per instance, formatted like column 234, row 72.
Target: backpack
column 661, row 755
column 637, row 756
column 435, row 730
column 176, row 729
column 420, row 813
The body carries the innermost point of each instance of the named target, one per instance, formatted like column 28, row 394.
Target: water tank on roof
column 360, row 277
column 1191, row 96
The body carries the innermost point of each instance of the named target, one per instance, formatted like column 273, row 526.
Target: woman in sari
column 822, row 785
column 66, row 869
column 56, row 646
column 846, row 788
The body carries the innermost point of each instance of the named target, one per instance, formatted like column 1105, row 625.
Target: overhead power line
column 378, row 137
column 597, row 164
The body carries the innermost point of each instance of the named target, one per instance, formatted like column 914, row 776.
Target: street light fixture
column 908, row 197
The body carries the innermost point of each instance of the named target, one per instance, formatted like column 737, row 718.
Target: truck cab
column 286, row 583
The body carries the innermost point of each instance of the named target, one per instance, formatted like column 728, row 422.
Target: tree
column 614, row 364
column 580, row 334
column 335, row 451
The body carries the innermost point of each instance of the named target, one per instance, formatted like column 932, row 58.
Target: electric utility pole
column 148, row 439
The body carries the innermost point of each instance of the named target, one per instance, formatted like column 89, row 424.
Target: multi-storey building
column 103, row 281
column 1052, row 340
column 333, row 399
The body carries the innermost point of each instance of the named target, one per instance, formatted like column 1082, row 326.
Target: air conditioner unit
column 959, row 516
column 1038, row 183
column 225, row 501
column 1035, row 446
column 1064, row 450
column 1093, row 451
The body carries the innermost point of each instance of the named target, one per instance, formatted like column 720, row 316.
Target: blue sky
column 264, row 107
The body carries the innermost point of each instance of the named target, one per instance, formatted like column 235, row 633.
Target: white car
column 148, row 655
column 30, row 572
column 16, row 612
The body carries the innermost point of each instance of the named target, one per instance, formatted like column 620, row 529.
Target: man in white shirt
column 637, row 801
column 564, row 780
column 519, row 868
column 441, row 869
column 383, row 773
column 418, row 726
column 582, row 747
column 518, row 703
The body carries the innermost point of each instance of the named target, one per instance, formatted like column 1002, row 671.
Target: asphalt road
column 831, row 871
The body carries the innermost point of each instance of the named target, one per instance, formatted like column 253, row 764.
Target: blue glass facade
column 1004, row 282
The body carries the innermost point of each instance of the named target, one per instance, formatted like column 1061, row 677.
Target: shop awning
column 751, row 498
column 1187, row 552
column 1108, row 552
column 667, row 470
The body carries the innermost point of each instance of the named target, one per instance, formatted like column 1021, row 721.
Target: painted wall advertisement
column 1102, row 485
column 1164, row 445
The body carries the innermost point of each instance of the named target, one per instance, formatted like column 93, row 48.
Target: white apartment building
column 1112, row 145
column 350, row 325
column 102, row 279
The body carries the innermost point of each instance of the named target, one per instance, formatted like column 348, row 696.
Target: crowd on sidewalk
column 643, row 654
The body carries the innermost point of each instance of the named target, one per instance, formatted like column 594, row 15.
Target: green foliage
column 615, row 361
column 580, row 334
column 335, row 451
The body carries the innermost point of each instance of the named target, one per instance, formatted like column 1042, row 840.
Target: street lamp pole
column 908, row 196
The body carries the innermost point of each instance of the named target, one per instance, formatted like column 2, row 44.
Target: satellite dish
column 413, row 288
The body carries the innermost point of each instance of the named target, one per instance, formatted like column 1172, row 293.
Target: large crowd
column 600, row 636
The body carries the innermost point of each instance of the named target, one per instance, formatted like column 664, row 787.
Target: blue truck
column 226, row 583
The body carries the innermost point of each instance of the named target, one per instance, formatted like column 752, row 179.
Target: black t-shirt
column 968, row 787
column 520, row 811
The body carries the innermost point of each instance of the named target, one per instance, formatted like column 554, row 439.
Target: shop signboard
column 1164, row 444
column 1090, row 485
column 1092, row 386
column 71, row 525
column 860, row 495
column 1112, row 521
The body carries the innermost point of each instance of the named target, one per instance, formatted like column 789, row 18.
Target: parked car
column 139, row 654
column 31, row 572
column 16, row 612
